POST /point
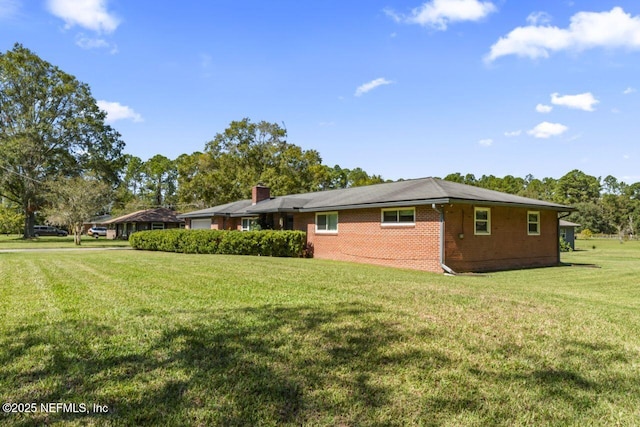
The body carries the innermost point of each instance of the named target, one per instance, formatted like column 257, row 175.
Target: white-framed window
column 157, row 226
column 482, row 221
column 249, row 223
column 327, row 222
column 398, row 216
column 533, row 223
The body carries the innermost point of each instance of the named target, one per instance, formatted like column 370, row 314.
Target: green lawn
column 14, row 241
column 172, row 339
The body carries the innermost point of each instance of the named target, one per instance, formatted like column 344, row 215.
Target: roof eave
column 401, row 203
column 559, row 208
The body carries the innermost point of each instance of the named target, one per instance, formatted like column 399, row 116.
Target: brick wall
column 509, row 246
column 362, row 238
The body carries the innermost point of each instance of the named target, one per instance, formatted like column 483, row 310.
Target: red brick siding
column 362, row 238
column 509, row 246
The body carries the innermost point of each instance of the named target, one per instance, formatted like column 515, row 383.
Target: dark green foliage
column 264, row 242
column 565, row 246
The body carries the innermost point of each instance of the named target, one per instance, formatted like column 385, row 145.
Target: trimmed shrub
column 264, row 242
column 565, row 246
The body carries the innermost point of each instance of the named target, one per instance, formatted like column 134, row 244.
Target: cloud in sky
column 90, row 14
column 439, row 14
column 583, row 101
column 628, row 90
column 9, row 8
column 486, row 142
column 541, row 108
column 538, row 18
column 95, row 43
column 587, row 30
column 513, row 133
column 115, row 111
column 361, row 90
column 546, row 130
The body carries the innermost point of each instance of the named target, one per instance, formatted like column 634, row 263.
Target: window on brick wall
column 533, row 223
column 327, row 222
column 399, row 216
column 482, row 221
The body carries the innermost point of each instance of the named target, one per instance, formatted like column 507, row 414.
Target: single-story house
column 568, row 232
column 425, row 224
column 148, row 219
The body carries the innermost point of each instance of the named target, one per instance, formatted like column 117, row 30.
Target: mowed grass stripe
column 214, row 340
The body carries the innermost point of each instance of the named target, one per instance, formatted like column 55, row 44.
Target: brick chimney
column 259, row 193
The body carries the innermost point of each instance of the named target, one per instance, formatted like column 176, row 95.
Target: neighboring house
column 568, row 232
column 425, row 224
column 149, row 219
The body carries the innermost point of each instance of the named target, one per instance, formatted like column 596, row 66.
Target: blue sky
column 401, row 88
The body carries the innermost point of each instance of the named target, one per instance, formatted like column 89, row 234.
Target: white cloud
column 361, row 90
column 95, row 43
column 629, row 90
column 9, row 8
column 587, row 30
column 486, row 142
column 541, row 108
column 439, row 13
column 512, row 134
column 582, row 101
column 115, row 111
column 89, row 14
column 537, row 18
column 546, row 130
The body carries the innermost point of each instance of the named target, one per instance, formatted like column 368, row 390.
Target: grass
column 15, row 241
column 205, row 340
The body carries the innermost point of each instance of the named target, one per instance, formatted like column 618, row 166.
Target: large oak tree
column 50, row 126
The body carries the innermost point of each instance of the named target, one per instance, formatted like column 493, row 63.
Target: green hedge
column 264, row 242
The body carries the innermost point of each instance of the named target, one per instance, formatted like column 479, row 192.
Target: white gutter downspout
column 442, row 264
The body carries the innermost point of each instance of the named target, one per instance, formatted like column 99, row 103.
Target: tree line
column 235, row 160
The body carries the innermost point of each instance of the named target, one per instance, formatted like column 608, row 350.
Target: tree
column 50, row 126
column 577, row 187
column 10, row 219
column 73, row 201
column 160, row 177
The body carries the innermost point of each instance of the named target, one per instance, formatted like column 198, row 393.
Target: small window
column 249, row 223
column 156, row 226
column 327, row 222
column 533, row 223
column 403, row 216
column 482, row 221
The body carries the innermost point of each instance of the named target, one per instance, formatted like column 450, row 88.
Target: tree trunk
column 29, row 222
column 77, row 234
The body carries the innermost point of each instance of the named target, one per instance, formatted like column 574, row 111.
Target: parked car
column 47, row 230
column 97, row 231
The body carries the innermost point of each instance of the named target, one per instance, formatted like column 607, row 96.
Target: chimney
column 259, row 193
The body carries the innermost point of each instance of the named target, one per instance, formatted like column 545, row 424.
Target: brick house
column 425, row 224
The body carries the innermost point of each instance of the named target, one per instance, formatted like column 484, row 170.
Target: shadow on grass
column 274, row 365
column 340, row 364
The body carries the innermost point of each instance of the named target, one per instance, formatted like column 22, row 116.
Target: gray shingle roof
column 422, row 191
column 221, row 210
column 147, row 215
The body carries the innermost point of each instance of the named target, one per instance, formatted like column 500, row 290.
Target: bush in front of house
column 263, row 242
